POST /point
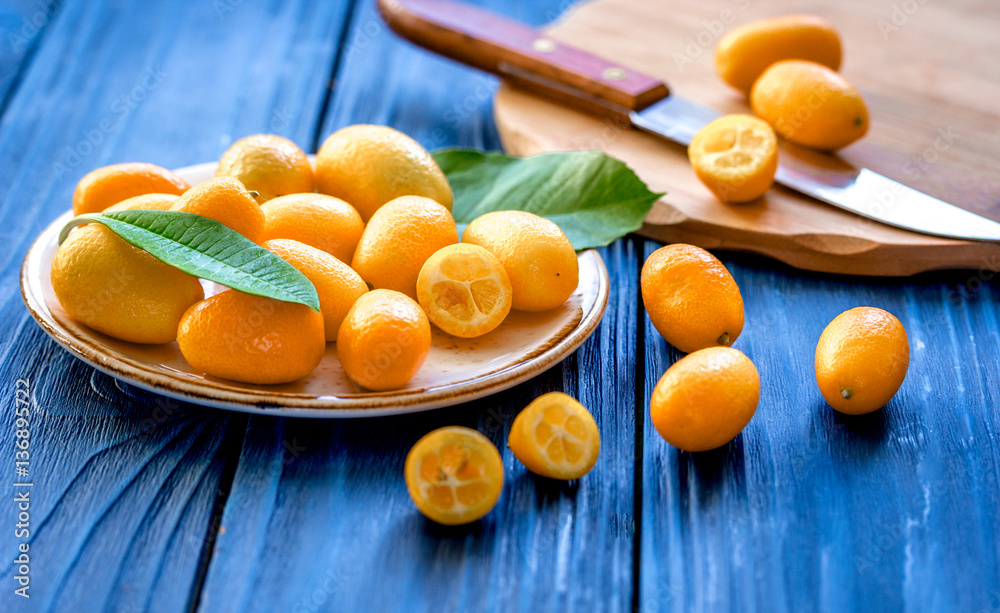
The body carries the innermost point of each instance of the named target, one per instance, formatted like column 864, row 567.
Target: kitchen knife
column 532, row 61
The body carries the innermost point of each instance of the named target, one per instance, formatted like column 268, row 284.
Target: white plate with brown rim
column 456, row 370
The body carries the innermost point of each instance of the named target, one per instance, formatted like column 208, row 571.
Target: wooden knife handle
column 522, row 55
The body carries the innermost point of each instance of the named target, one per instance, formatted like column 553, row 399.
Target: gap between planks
column 231, row 451
column 639, row 245
column 28, row 59
column 331, row 82
column 232, row 446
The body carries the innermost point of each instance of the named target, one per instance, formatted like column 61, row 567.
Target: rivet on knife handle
column 521, row 54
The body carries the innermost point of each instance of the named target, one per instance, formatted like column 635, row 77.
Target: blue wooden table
column 139, row 503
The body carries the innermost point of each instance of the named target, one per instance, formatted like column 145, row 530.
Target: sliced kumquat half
column 464, row 290
column 735, row 156
column 556, row 437
column 454, row 475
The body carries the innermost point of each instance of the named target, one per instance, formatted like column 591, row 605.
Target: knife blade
column 532, row 61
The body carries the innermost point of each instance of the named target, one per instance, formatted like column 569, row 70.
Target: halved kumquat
column 454, row 475
column 555, row 437
column 464, row 290
column 735, row 156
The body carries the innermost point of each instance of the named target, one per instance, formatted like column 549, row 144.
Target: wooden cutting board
column 930, row 75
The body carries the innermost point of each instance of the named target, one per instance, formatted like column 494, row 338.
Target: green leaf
column 207, row 249
column 593, row 197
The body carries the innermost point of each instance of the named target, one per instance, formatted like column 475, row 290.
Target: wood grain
column 806, row 511
column 117, row 475
column 23, row 23
column 127, row 484
column 925, row 84
column 811, row 510
column 328, row 500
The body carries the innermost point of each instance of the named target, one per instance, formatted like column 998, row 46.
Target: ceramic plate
column 457, row 370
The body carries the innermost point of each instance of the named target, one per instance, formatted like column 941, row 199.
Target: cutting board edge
column 881, row 260
column 802, row 251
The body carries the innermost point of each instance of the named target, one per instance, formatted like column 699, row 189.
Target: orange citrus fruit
column 691, row 298
column 745, row 52
column 370, row 165
column 101, row 188
column 464, row 290
column 555, row 437
column 145, row 202
column 384, row 340
column 735, row 156
column 705, row 399
column 120, row 290
column 861, row 360
column 318, row 220
column 252, row 339
column 539, row 259
column 810, row 105
column 398, row 239
column 336, row 283
column 268, row 164
column 227, row 201
column 454, row 475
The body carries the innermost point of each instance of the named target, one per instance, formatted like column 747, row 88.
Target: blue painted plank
column 112, row 472
column 22, row 24
column 319, row 518
column 812, row 510
column 807, row 510
column 386, row 80
column 127, row 484
column 334, row 492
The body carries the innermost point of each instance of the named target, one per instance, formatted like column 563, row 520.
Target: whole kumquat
column 861, row 360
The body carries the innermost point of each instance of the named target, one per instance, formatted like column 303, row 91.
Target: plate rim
column 376, row 404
